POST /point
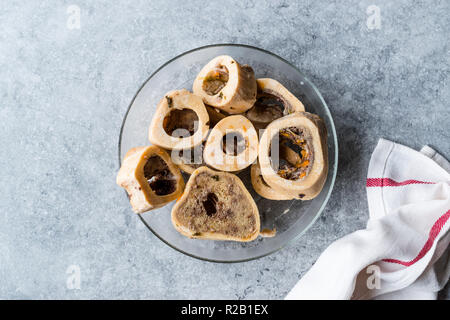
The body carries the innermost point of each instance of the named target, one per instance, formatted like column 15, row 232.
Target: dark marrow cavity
column 184, row 119
column 290, row 154
column 233, row 143
column 268, row 107
column 210, row 204
column 159, row 177
column 215, row 80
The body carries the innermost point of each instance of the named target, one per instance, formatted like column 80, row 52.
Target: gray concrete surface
column 64, row 93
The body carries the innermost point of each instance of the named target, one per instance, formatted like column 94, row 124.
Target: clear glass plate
column 291, row 218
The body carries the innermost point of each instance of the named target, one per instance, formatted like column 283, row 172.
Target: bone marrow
column 293, row 155
column 216, row 205
column 273, row 101
column 180, row 122
column 232, row 144
column 160, row 179
column 215, row 80
column 263, row 189
column 150, row 178
column 226, row 85
column 184, row 119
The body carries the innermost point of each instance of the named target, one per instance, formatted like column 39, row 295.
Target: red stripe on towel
column 388, row 182
column 434, row 232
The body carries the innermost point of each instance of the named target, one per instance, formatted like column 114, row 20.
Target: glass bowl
column 290, row 218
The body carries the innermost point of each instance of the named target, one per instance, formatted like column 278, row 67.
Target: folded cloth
column 403, row 253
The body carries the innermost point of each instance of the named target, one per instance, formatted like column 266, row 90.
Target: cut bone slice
column 180, row 122
column 305, row 134
column 263, row 189
column 150, row 178
column 225, row 84
column 272, row 102
column 232, row 144
column 216, row 205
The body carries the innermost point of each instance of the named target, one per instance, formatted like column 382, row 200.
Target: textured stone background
column 64, row 93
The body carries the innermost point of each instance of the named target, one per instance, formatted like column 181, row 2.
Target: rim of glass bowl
column 333, row 131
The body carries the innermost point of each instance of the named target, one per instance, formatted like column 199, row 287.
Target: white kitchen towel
column 403, row 253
